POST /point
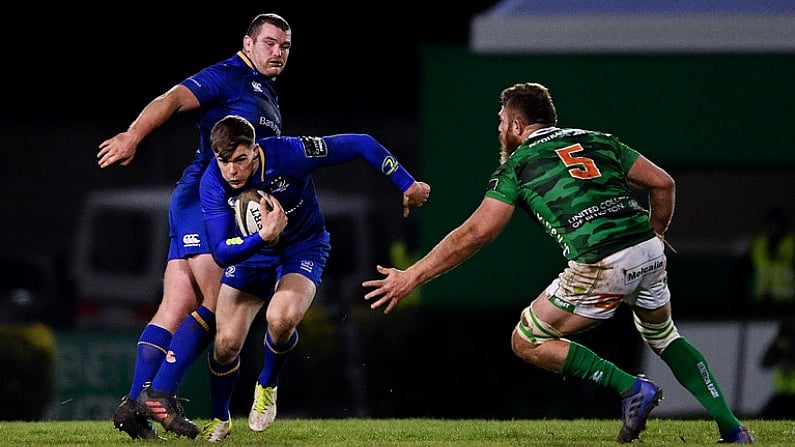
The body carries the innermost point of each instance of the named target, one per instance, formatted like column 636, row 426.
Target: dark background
column 102, row 63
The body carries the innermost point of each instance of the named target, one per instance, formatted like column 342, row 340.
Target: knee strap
column 657, row 336
column 534, row 330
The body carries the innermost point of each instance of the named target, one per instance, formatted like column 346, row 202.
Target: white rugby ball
column 248, row 215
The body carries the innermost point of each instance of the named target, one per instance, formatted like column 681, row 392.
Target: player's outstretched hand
column 417, row 194
column 119, row 149
column 390, row 290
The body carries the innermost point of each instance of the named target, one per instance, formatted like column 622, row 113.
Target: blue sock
column 191, row 339
column 275, row 358
column 152, row 347
column 222, row 383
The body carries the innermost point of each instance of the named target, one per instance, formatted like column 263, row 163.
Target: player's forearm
column 237, row 249
column 158, row 111
column 227, row 247
column 375, row 154
column 458, row 246
column 661, row 202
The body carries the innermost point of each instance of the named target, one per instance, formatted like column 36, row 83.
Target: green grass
column 406, row 433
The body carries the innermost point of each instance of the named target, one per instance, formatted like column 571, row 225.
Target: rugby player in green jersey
column 579, row 185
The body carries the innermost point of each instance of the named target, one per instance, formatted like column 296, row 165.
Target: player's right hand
column 119, row 149
column 388, row 291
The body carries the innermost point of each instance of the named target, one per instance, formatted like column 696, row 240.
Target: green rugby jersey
column 573, row 182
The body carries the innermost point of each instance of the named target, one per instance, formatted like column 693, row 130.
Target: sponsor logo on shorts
column 307, row 266
column 191, row 240
column 560, row 304
column 636, row 272
column 230, row 271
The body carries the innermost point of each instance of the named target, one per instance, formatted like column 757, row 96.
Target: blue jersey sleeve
column 230, row 248
column 212, row 85
column 227, row 245
column 347, row 147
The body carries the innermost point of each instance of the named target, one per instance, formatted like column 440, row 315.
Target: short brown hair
column 531, row 102
column 230, row 132
column 274, row 19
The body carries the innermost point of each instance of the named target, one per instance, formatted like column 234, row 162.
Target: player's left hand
column 417, row 194
column 394, row 287
column 274, row 219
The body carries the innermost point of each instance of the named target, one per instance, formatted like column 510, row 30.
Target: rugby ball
column 248, row 215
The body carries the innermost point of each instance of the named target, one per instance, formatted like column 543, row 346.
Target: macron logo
column 256, row 86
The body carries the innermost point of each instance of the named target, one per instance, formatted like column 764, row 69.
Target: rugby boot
column 636, row 404
column 740, row 435
column 130, row 419
column 164, row 408
column 216, row 430
column 263, row 410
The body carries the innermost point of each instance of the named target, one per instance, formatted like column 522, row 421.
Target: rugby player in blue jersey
column 243, row 85
column 282, row 264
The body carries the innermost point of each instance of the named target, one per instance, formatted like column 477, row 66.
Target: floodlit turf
column 406, row 433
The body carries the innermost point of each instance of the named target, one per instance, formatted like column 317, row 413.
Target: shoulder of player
column 568, row 136
column 211, row 176
column 213, row 189
column 281, row 147
column 226, row 70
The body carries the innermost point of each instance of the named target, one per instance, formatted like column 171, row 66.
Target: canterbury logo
column 191, row 240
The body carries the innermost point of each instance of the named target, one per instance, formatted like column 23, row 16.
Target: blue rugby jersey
column 234, row 87
column 288, row 164
column 230, row 86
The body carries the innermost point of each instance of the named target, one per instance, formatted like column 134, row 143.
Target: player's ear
column 248, row 42
column 517, row 126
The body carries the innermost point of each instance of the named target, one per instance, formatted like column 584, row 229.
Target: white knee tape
column 534, row 330
column 658, row 336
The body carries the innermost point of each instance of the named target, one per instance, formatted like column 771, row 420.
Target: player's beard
column 508, row 144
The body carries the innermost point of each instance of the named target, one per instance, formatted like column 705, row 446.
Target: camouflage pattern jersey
column 574, row 183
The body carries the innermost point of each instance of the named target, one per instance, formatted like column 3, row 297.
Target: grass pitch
column 405, row 433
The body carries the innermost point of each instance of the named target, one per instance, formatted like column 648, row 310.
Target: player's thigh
column 207, row 274
column 564, row 321
column 293, row 295
column 234, row 313
column 180, row 296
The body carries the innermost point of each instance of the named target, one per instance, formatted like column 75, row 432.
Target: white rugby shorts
column 635, row 275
